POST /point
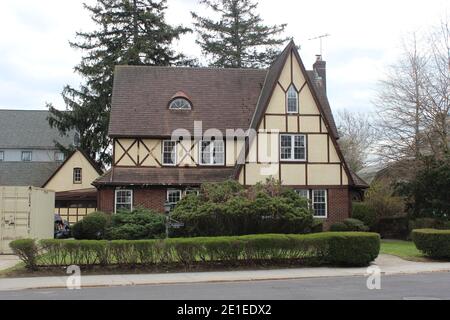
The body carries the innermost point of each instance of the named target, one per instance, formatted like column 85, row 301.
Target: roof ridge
column 191, row 68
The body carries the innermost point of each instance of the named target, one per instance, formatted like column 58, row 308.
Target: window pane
column 286, row 144
column 169, row 152
column 299, row 147
column 173, row 196
column 26, row 155
column 218, row 152
column 180, row 104
column 292, row 100
column 320, row 203
column 124, row 200
column 2, row 156
column 303, row 193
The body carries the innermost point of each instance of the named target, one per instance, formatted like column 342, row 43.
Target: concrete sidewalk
column 389, row 265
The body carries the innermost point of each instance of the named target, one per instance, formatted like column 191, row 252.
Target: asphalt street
column 409, row 287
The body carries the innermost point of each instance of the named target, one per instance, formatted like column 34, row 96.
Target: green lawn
column 403, row 249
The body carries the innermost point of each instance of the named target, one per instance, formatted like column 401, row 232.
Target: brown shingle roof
column 163, row 176
column 221, row 98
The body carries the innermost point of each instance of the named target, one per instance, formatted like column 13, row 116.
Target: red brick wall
column 338, row 206
column 105, row 200
column 148, row 198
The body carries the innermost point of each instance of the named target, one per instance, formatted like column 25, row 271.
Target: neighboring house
column 28, row 155
column 72, row 182
column 294, row 140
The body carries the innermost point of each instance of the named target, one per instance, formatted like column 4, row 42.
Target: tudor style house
column 171, row 130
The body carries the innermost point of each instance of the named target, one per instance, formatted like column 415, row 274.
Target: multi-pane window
column 169, row 152
column 2, row 156
column 292, row 100
column 124, row 200
column 180, row 104
column 27, row 156
column 303, row 193
column 173, row 196
column 293, row 147
column 319, row 203
column 77, row 175
column 212, row 152
column 192, row 191
column 59, row 156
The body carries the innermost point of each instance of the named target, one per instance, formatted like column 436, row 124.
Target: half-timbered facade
column 176, row 128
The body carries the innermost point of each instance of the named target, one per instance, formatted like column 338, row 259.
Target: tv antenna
column 320, row 38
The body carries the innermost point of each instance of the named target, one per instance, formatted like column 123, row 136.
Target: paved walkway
column 389, row 265
column 8, row 261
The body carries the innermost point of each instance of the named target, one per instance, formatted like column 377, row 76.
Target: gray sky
column 36, row 60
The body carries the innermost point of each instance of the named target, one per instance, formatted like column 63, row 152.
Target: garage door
column 14, row 215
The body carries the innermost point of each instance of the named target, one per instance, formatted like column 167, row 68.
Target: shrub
column 349, row 225
column 328, row 248
column 393, row 228
column 135, row 225
column 382, row 200
column 434, row 243
column 227, row 209
column 364, row 212
column 353, row 249
column 92, row 227
column 27, row 250
column 429, row 223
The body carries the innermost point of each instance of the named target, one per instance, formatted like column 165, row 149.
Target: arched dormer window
column 180, row 101
column 292, row 100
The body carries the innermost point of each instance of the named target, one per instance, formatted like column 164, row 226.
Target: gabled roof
column 221, row 98
column 92, row 163
column 29, row 129
column 26, row 173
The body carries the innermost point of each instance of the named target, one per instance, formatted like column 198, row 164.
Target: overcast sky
column 36, row 60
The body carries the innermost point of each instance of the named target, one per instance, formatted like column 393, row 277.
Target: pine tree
column 239, row 39
column 129, row 32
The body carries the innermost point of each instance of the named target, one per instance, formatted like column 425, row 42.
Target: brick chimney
column 320, row 71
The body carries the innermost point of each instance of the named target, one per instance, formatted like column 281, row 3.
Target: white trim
column 173, row 190
column 176, row 154
column 326, row 204
column 292, row 159
column 200, row 158
column 115, row 198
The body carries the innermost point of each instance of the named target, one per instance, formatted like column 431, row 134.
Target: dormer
column 180, row 101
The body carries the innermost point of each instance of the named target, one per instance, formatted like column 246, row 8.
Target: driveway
column 8, row 261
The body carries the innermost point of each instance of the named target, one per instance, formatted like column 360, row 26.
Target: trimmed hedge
column 329, row 248
column 434, row 243
column 92, row 227
column 349, row 225
column 27, row 250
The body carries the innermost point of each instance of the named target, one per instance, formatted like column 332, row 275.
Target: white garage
column 25, row 212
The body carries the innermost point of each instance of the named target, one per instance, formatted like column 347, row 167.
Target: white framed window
column 77, row 175
column 180, row 104
column 2, row 156
column 173, row 196
column 27, row 156
column 169, row 153
column 212, row 153
column 59, row 156
column 319, row 203
column 293, row 147
column 124, row 200
column 303, row 193
column 191, row 191
column 292, row 100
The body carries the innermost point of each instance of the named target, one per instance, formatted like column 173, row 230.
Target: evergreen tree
column 129, row 32
column 239, row 39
